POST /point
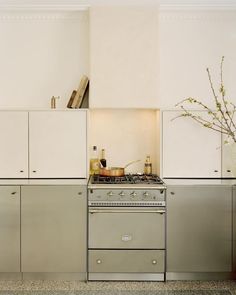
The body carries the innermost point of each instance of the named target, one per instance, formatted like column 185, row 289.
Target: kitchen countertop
column 79, row 181
column 84, row 181
column 200, row 181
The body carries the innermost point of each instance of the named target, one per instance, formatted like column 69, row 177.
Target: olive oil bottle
column 94, row 162
column 148, row 166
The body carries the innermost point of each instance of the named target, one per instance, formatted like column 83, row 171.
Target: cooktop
column 127, row 179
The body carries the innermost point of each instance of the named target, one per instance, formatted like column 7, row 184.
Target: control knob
column 146, row 195
column 133, row 195
column 110, row 194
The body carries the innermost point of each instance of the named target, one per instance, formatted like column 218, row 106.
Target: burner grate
column 149, row 179
column 127, row 179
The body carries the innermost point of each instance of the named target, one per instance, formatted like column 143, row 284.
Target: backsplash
column 126, row 135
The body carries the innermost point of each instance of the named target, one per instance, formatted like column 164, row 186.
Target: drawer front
column 127, row 228
column 135, row 261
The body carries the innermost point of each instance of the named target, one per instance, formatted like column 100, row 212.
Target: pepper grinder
column 53, row 101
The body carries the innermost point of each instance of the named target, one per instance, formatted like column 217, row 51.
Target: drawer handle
column 21, row 171
column 215, row 170
column 13, row 193
column 228, row 170
column 92, row 211
column 99, row 261
column 172, row 193
column 154, row 261
column 34, row 171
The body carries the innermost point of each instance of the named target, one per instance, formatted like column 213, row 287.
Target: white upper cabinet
column 57, row 144
column 228, row 161
column 14, row 144
column 124, row 57
column 189, row 150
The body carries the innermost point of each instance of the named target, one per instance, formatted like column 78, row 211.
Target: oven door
column 126, row 227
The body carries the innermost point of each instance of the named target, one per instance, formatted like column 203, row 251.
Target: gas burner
column 127, row 179
column 148, row 179
column 98, row 179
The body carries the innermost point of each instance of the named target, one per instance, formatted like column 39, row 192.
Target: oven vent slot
column 123, row 204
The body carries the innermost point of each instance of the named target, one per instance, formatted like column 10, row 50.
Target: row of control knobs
column 110, row 194
column 132, row 195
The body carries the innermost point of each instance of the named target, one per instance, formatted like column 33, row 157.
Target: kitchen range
column 127, row 226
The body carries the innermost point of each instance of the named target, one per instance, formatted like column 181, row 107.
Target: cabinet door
column 10, row 228
column 228, row 159
column 188, row 149
column 57, row 144
column 14, row 144
column 199, row 228
column 53, row 230
column 234, row 231
column 124, row 57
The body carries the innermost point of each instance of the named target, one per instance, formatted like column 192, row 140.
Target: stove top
column 127, row 179
column 128, row 190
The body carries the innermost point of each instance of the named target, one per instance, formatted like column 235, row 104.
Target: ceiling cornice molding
column 193, row 15
column 194, row 7
column 47, row 7
column 20, row 18
column 43, row 15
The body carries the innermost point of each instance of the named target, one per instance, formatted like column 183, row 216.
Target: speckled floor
column 116, row 292
column 113, row 287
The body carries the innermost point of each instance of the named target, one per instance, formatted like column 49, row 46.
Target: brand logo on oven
column 126, row 238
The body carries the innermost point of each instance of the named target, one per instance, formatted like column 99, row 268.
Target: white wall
column 126, row 135
column 41, row 54
column 124, row 57
column 190, row 41
column 45, row 53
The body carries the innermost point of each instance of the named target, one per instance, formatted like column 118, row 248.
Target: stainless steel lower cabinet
column 199, row 231
column 10, row 232
column 126, row 264
column 234, row 232
column 53, row 222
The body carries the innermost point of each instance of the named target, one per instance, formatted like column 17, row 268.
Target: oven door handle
column 92, row 211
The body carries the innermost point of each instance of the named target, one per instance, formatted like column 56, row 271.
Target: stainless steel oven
column 126, row 237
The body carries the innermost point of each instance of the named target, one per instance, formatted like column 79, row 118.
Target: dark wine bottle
column 103, row 160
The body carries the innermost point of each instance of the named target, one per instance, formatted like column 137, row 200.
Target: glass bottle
column 148, row 166
column 103, row 160
column 94, row 162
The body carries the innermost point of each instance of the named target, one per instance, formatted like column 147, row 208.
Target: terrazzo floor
column 112, row 287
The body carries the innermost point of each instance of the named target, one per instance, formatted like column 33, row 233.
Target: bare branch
column 220, row 120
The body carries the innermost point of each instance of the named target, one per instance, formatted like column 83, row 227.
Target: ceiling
column 167, row 3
